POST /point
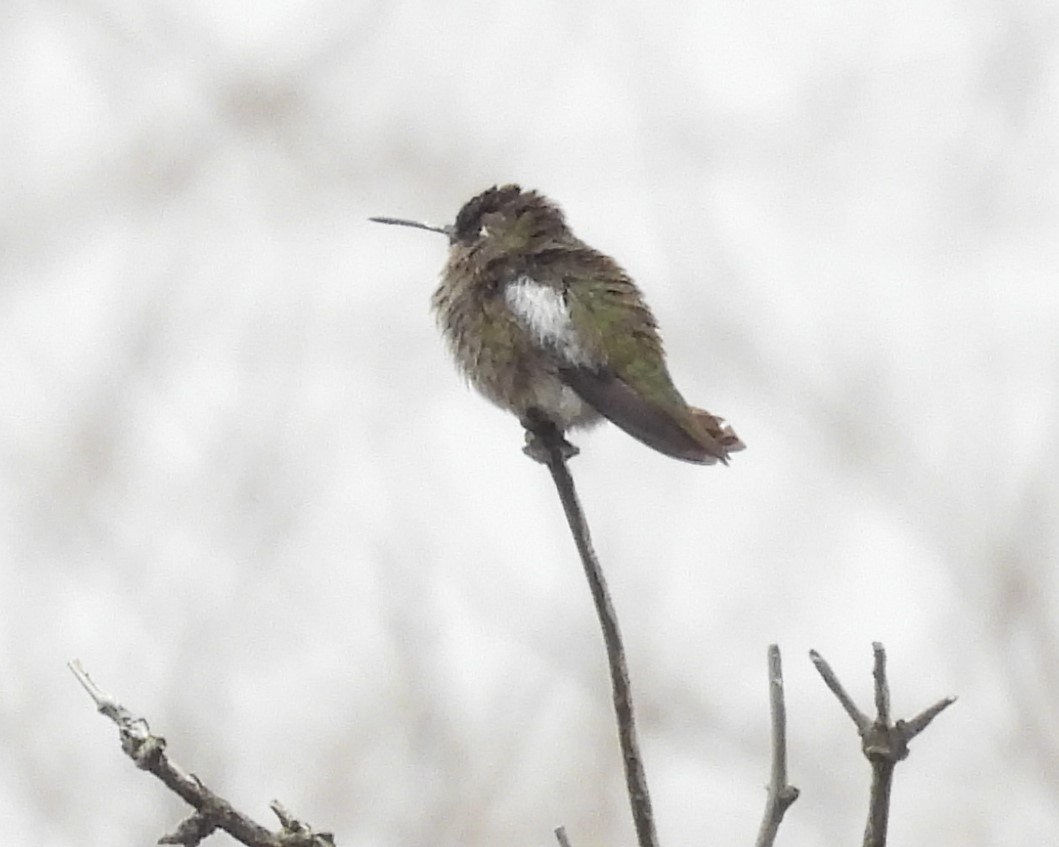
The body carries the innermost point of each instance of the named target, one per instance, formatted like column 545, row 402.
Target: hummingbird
column 557, row 332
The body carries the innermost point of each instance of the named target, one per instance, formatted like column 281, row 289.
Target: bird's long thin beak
column 444, row 230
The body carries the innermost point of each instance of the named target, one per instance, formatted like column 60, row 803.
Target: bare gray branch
column 211, row 811
column 781, row 794
column 884, row 743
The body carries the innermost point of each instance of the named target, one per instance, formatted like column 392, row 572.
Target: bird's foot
column 543, row 439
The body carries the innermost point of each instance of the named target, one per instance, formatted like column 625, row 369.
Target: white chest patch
column 544, row 314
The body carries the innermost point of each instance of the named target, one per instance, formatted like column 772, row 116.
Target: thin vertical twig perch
column 554, row 454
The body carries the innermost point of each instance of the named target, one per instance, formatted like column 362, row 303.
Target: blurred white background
column 242, row 482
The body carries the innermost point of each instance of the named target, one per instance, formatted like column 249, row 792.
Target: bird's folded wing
column 647, row 422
